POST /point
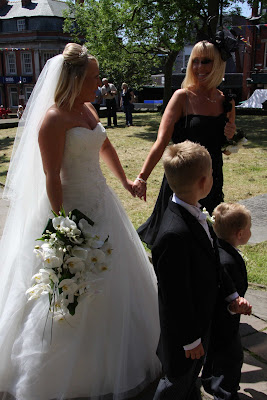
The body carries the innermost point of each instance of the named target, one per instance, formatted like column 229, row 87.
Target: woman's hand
column 139, row 188
column 128, row 185
column 229, row 129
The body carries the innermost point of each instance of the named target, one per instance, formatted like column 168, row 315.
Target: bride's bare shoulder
column 55, row 116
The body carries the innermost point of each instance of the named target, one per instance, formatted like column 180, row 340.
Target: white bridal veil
column 28, row 212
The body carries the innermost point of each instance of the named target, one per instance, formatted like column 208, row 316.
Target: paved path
column 258, row 208
column 253, row 328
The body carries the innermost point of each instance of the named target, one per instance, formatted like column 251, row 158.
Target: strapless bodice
column 81, row 175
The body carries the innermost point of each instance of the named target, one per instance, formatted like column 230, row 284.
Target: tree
column 127, row 36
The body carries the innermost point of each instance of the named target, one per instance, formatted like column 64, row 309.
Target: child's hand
column 240, row 306
column 195, row 353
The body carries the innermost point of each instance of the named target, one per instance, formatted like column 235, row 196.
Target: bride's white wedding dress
column 108, row 347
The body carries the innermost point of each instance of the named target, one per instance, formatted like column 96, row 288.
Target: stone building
column 31, row 32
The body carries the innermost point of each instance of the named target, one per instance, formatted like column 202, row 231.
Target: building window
column 14, row 98
column 11, row 63
column 26, row 61
column 21, row 25
column 28, row 92
column 47, row 55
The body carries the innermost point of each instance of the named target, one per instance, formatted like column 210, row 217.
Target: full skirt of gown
column 108, row 349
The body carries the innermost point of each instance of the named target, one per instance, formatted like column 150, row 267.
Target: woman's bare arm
column 173, row 112
column 51, row 143
column 111, row 159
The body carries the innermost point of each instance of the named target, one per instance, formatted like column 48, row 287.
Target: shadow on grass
column 254, row 128
column 150, row 122
column 6, row 142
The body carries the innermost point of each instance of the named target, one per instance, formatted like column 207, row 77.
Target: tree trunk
column 168, row 77
column 213, row 11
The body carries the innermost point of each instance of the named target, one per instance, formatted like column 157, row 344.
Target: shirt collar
column 194, row 210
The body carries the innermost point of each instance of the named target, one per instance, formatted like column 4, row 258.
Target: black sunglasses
column 204, row 61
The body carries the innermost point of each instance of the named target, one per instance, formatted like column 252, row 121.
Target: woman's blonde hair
column 76, row 61
column 124, row 84
column 205, row 49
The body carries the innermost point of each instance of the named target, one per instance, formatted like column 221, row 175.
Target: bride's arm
column 110, row 157
column 51, row 143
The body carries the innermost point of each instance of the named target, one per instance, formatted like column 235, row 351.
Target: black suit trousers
column 111, row 111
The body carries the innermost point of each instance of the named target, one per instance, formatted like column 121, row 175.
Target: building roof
column 40, row 8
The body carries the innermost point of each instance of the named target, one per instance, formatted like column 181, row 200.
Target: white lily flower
column 100, row 267
column 69, row 287
column 86, row 228
column 75, row 264
column 79, row 252
column 61, row 316
column 95, row 256
column 38, row 290
column 76, row 239
column 63, row 223
column 107, row 248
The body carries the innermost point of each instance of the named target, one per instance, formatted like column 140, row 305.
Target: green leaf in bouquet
column 71, row 306
column 62, row 212
column 49, row 227
column 79, row 215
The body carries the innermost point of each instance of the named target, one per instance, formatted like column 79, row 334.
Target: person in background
column 109, row 92
column 20, row 111
column 126, row 102
column 98, row 100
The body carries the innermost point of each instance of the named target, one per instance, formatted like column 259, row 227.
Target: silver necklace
column 212, row 101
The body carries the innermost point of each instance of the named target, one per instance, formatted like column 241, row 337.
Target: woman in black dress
column 198, row 112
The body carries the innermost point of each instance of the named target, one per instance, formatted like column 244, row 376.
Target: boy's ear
column 239, row 234
column 202, row 182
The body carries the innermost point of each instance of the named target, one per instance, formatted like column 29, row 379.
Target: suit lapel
column 195, row 227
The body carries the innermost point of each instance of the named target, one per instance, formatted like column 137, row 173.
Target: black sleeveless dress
column 209, row 132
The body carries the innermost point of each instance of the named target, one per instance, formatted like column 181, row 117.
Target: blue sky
column 246, row 10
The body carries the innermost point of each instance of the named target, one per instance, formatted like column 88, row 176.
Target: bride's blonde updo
column 75, row 64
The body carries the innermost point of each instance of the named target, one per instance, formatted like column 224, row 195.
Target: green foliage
column 128, row 35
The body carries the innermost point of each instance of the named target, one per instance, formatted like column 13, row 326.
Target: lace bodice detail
column 82, row 180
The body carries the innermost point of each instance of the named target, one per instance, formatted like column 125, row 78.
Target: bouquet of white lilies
column 73, row 259
column 236, row 143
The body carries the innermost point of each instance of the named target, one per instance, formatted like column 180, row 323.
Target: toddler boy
column 222, row 370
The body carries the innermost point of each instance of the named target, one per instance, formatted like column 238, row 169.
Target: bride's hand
column 128, row 185
column 140, row 189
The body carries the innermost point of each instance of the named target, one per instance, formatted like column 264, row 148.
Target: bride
column 108, row 348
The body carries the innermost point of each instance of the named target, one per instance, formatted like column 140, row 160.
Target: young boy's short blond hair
column 184, row 164
column 229, row 219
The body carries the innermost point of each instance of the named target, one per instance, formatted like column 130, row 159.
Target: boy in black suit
column 222, row 369
column 188, row 272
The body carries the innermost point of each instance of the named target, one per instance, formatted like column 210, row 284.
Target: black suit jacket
column 225, row 325
column 188, row 278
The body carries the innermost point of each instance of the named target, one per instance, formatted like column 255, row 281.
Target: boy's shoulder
column 228, row 253
column 175, row 220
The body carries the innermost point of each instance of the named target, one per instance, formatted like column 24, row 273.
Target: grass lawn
column 245, row 173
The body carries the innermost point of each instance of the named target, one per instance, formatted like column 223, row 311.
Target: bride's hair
column 205, row 49
column 76, row 61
